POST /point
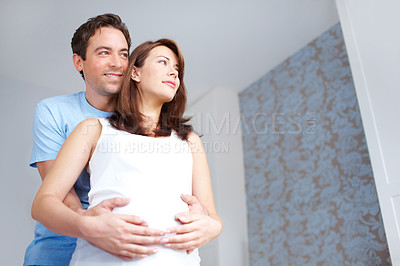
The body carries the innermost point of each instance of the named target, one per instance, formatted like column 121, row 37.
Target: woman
column 145, row 151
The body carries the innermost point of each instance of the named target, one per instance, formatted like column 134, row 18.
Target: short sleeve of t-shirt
column 48, row 137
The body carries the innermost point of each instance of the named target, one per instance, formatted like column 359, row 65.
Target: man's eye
column 125, row 55
column 104, row 52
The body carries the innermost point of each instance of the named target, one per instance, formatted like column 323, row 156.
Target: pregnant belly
column 157, row 208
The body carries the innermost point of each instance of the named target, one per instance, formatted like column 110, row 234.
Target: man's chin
column 111, row 92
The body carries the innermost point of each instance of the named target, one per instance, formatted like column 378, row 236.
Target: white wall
column 370, row 29
column 217, row 117
column 19, row 182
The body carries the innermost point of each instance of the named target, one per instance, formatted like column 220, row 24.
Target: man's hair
column 82, row 35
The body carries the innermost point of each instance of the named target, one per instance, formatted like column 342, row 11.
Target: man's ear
column 78, row 62
column 135, row 75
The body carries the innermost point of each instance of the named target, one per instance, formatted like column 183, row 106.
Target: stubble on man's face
column 106, row 62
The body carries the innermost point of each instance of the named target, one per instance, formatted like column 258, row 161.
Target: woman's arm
column 48, row 207
column 198, row 227
column 124, row 236
column 72, row 199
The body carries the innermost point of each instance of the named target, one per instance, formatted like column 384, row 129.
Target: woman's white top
column 153, row 173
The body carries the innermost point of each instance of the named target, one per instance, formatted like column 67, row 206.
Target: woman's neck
column 151, row 115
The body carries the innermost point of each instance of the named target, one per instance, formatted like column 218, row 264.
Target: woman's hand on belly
column 197, row 227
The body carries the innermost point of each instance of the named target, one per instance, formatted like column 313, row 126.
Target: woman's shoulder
column 91, row 127
column 193, row 138
column 90, row 122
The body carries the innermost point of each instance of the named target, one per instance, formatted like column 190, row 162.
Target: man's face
column 106, row 62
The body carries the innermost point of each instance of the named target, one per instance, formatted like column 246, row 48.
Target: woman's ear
column 135, row 76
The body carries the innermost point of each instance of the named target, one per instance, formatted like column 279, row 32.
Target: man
column 101, row 51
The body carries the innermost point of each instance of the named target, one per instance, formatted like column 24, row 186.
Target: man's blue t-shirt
column 54, row 119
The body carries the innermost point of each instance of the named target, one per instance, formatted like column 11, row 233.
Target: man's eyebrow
column 167, row 58
column 102, row 48
column 108, row 48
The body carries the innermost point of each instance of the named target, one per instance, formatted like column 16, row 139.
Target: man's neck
column 100, row 102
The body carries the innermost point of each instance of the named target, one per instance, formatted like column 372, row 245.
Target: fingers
column 189, row 199
column 122, row 257
column 143, row 240
column 135, row 251
column 106, row 206
column 128, row 251
column 182, row 242
column 132, row 219
column 112, row 203
column 184, row 246
column 179, row 238
column 196, row 230
column 177, row 216
column 181, row 229
column 126, row 258
column 188, row 217
column 139, row 227
column 125, row 236
column 194, row 204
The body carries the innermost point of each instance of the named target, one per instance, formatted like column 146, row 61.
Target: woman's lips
column 170, row 83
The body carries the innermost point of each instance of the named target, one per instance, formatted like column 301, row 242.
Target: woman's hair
column 127, row 116
column 80, row 40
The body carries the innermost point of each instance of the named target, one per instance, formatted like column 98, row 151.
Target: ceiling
column 226, row 44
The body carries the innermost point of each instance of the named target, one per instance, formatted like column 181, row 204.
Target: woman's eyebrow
column 164, row 57
column 167, row 59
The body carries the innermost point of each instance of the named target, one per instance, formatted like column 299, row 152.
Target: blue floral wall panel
column 311, row 195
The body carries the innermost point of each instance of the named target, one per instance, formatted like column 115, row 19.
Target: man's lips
column 113, row 75
column 172, row 84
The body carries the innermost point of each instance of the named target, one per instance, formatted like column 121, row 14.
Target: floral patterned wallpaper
column 311, row 196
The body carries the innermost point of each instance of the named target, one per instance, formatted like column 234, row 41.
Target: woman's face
column 158, row 78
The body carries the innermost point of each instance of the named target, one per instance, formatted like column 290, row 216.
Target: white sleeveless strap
column 106, row 127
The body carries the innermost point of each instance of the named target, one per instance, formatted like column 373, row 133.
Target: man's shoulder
column 62, row 100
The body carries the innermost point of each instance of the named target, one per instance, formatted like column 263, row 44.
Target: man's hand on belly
column 123, row 236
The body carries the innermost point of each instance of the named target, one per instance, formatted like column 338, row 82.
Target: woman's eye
column 164, row 62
